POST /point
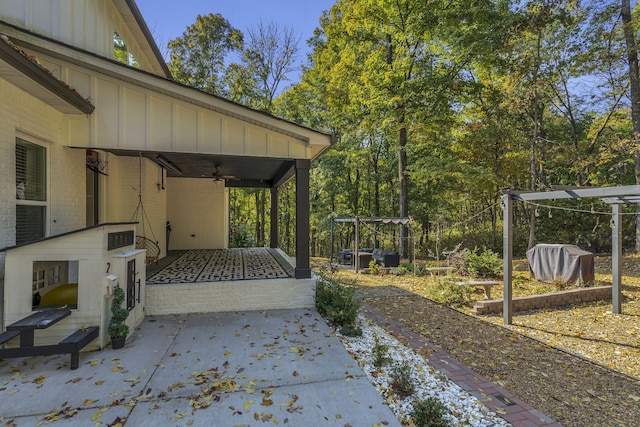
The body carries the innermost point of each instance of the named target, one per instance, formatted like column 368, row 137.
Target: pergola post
column 507, row 305
column 273, row 234
column 616, row 257
column 303, row 271
column 356, row 251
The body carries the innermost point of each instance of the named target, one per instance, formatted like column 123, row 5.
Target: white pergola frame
column 615, row 196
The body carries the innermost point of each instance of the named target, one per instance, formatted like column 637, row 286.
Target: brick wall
column 555, row 299
column 22, row 115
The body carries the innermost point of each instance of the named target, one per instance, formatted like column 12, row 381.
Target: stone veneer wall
column 555, row 299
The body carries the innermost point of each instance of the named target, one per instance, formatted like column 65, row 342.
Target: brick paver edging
column 504, row 403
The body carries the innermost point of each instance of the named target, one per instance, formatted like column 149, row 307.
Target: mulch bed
column 578, row 364
column 564, row 386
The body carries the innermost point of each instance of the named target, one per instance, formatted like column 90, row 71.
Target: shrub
column 117, row 328
column 401, row 381
column 337, row 301
column 405, row 268
column 380, row 354
column 429, row 413
column 375, row 268
column 351, row 331
column 447, row 292
column 486, row 264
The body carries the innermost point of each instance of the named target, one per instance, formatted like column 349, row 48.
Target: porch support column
column 273, row 240
column 616, row 258
column 303, row 271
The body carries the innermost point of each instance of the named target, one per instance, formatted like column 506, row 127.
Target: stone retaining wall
column 546, row 300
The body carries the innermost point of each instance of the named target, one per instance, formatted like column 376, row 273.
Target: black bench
column 8, row 335
column 71, row 345
column 77, row 341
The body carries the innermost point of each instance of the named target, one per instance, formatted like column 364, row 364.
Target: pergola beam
column 581, row 193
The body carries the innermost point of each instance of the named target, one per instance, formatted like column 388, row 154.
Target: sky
column 168, row 19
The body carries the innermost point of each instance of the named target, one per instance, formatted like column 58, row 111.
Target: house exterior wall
column 196, row 209
column 130, row 117
column 121, row 197
column 25, row 116
column 86, row 24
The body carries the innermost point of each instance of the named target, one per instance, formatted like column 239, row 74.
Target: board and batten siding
column 132, row 118
column 85, row 24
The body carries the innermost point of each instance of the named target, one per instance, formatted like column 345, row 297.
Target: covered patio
column 216, row 280
column 220, row 265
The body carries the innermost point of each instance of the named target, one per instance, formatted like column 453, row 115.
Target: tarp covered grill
column 558, row 262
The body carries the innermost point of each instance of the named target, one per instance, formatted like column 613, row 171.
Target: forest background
column 435, row 106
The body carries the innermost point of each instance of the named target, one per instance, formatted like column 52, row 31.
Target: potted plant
column 118, row 329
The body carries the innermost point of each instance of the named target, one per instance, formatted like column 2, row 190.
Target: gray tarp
column 566, row 263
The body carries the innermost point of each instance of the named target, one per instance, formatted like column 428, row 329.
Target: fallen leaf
column 89, row 402
column 98, row 414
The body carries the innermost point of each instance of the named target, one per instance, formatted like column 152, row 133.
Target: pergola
column 367, row 220
column 615, row 196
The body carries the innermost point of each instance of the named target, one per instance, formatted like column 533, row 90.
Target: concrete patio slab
column 223, row 369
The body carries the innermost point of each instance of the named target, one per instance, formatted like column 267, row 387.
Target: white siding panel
column 297, row 151
column 186, row 138
column 279, row 147
column 14, row 11
column 134, row 118
column 160, row 124
column 41, row 15
column 257, row 142
column 80, row 81
column 233, row 138
column 107, row 122
column 209, row 133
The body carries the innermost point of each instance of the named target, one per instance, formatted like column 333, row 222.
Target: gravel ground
column 464, row 409
column 569, row 388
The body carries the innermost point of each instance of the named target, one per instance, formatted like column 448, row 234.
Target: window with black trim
column 31, row 191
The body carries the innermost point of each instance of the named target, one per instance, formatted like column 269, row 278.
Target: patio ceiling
column 237, row 171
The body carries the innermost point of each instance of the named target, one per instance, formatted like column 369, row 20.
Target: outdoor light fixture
column 165, row 163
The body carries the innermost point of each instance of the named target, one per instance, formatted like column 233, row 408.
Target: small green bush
column 447, row 292
column 375, row 268
column 429, row 413
column 485, row 264
column 380, row 354
column 401, row 381
column 117, row 327
column 336, row 300
column 351, row 331
column 405, row 268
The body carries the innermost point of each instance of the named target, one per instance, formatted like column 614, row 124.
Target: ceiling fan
column 218, row 175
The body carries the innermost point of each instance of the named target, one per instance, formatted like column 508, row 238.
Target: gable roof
column 133, row 17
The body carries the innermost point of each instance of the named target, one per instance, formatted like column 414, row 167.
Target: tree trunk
column 634, row 78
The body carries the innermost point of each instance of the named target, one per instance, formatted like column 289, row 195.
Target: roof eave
column 36, row 73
